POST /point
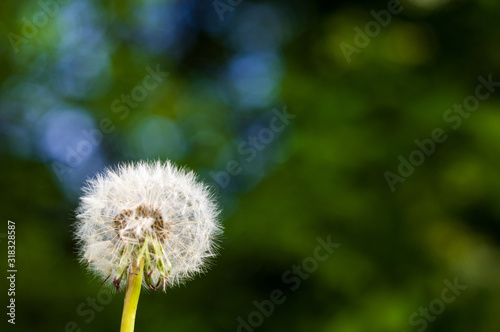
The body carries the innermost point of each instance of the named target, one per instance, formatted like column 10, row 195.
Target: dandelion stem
column 132, row 297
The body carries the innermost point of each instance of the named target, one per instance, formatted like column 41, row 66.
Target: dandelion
column 149, row 224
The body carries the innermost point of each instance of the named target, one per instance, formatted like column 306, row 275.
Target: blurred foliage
column 322, row 176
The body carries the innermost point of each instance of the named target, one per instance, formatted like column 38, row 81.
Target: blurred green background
column 76, row 97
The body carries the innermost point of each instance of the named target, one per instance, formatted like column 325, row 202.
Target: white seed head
column 149, row 211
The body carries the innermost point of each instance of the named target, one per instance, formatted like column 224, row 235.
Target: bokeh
column 354, row 148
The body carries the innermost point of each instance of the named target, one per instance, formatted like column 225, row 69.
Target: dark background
column 321, row 176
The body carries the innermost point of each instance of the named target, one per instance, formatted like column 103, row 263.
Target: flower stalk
column 132, row 297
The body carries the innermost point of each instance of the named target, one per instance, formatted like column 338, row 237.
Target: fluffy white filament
column 149, row 210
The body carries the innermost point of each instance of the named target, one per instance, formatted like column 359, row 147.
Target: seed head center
column 134, row 225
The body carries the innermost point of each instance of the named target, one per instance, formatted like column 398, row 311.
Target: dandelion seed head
column 150, row 211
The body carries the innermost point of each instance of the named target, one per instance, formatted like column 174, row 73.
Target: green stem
column 134, row 284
